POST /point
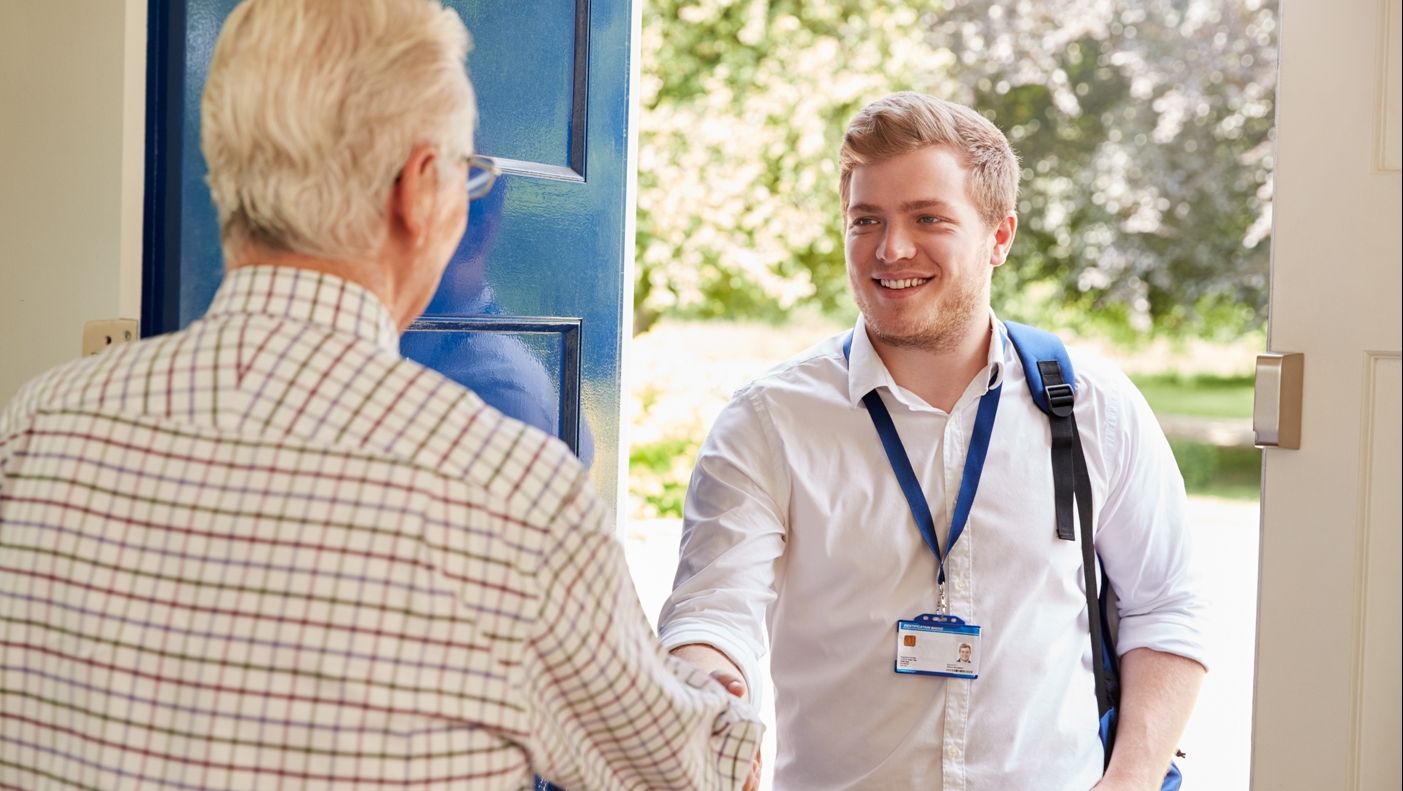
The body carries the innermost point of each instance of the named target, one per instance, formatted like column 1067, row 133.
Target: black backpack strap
column 1051, row 382
column 1103, row 654
column 1060, row 398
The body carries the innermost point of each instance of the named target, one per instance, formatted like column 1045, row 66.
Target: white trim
column 1390, row 75
column 635, row 39
column 1360, row 754
column 133, row 184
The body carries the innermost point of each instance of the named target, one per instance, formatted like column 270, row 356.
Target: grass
column 1198, row 396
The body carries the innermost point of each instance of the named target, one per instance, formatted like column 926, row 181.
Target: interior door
column 1327, row 711
column 531, row 312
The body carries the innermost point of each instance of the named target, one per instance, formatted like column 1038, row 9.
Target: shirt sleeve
column 1143, row 539
column 610, row 709
column 733, row 536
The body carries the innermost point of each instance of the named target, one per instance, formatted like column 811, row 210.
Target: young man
column 798, row 530
column 267, row 550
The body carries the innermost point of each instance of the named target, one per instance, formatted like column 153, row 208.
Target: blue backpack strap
column 1052, row 383
column 1048, row 368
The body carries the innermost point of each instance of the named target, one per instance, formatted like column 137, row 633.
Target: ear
column 414, row 199
column 1003, row 234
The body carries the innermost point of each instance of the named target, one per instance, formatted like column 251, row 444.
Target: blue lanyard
column 906, row 476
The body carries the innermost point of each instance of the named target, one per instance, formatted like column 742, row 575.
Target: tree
column 1144, row 129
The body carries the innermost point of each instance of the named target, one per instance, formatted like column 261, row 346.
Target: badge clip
column 937, row 644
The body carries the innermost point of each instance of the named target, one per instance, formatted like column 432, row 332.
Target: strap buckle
column 1059, row 399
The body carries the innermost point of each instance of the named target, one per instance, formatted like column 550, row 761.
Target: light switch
column 104, row 333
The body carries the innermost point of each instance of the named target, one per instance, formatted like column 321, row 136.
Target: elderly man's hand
column 752, row 783
column 728, row 674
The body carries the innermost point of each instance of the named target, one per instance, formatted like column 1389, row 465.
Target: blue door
column 530, row 314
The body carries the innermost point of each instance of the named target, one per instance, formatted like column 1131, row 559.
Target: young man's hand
column 721, row 668
column 717, row 664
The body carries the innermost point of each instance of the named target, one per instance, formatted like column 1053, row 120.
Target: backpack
column 1052, row 382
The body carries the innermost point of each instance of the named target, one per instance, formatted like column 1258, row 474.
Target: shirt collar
column 867, row 372
column 306, row 296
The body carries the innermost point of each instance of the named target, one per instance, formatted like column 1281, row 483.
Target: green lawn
column 1198, row 396
column 1233, row 473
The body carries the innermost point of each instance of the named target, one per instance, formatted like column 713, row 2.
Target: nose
column 895, row 245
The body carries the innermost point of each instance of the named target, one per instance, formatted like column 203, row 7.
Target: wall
column 72, row 103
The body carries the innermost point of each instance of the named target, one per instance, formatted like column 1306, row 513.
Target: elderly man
column 823, row 511
column 267, row 550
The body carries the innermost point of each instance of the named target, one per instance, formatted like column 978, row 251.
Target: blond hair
column 312, row 106
column 906, row 122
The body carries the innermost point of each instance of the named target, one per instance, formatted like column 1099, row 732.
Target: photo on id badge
column 944, row 647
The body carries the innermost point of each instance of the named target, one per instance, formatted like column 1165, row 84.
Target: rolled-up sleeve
column 732, row 539
column 1143, row 538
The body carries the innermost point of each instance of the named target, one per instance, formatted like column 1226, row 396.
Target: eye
column 857, row 221
column 930, row 219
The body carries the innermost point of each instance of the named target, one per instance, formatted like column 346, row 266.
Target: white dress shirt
column 795, row 524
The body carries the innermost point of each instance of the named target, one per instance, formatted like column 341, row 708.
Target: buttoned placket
column 955, row 431
column 957, row 574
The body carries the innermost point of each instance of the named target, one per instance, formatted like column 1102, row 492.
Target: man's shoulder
column 1108, row 404
column 1098, row 377
column 816, row 371
column 69, row 385
column 1098, row 373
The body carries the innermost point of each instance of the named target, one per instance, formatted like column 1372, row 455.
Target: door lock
column 1276, row 401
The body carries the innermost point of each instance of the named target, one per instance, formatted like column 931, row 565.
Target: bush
column 1219, row 472
column 659, row 472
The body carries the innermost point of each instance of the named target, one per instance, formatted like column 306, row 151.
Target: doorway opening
column 1145, row 132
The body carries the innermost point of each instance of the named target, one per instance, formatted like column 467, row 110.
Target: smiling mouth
column 910, row 282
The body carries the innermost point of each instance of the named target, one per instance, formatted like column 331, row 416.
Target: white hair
column 313, row 106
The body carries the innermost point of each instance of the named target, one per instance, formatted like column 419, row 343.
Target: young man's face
column 919, row 255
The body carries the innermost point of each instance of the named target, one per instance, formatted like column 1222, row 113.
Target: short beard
column 956, row 312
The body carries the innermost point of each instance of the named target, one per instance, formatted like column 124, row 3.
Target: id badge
column 937, row 645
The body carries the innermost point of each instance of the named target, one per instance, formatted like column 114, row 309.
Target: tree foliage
column 1144, row 128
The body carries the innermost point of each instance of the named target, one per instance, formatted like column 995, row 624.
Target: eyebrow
column 911, row 205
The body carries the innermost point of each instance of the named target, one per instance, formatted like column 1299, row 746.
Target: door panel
column 533, row 64
column 528, row 368
column 530, row 312
column 1328, row 641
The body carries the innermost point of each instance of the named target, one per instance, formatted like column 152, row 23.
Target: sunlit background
column 1144, row 128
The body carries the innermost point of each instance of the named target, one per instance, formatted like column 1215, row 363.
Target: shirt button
column 952, row 751
column 961, row 585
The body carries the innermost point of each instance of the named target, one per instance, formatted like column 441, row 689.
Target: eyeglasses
column 482, row 174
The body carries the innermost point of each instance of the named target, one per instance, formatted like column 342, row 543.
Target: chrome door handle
column 1276, row 400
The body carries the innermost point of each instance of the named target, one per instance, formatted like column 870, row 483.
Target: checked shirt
column 266, row 551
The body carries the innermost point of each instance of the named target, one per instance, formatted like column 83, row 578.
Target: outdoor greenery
column 1198, row 396
column 1144, row 129
column 659, row 471
column 1212, row 471
column 688, row 371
